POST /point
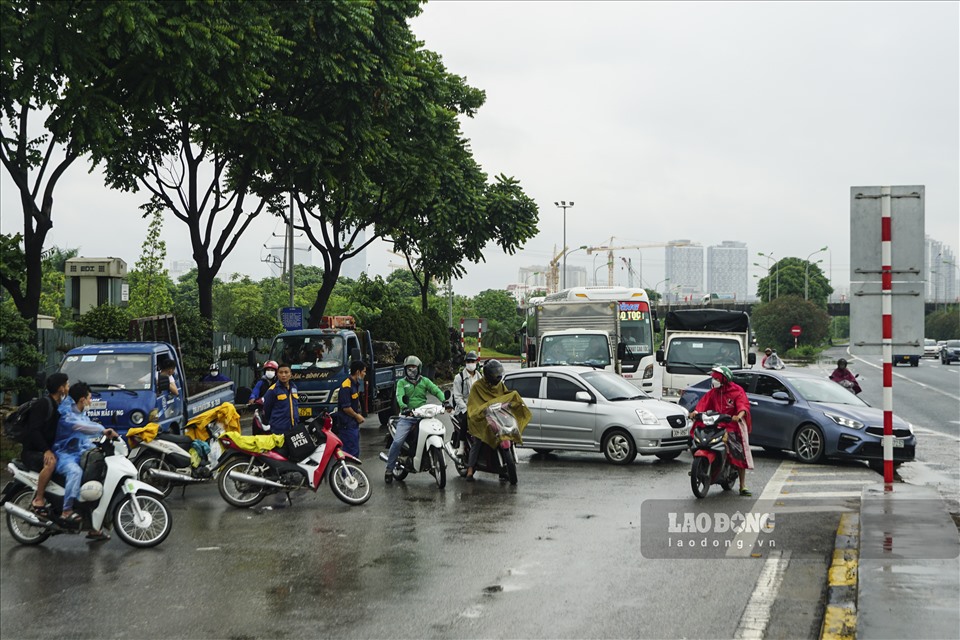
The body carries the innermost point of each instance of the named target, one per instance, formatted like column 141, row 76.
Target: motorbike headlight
column 137, row 418
column 850, row 423
column 646, row 417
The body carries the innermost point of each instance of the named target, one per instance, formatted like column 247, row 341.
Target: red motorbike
column 309, row 453
column 258, row 421
column 711, row 462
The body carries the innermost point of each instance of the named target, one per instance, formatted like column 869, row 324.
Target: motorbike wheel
column 349, row 483
column 731, row 476
column 439, row 467
column 669, row 455
column 21, row 530
column 150, row 529
column 236, row 492
column 401, row 472
column 510, row 458
column 700, row 477
column 153, row 462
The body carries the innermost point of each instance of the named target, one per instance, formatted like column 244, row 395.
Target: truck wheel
column 618, row 447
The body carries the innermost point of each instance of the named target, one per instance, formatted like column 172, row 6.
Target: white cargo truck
column 694, row 340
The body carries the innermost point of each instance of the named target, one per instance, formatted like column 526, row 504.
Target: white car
column 585, row 409
column 931, row 349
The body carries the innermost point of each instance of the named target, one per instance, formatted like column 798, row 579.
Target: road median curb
column 840, row 615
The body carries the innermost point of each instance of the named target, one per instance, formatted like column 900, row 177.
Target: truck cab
column 319, row 361
column 123, row 379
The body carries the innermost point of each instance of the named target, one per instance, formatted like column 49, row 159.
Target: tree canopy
column 794, row 277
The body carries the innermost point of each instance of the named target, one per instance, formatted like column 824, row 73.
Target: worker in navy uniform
column 348, row 408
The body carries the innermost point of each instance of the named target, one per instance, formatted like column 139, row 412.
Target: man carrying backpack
column 40, row 435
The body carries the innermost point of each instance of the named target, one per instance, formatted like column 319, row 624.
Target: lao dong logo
column 750, row 522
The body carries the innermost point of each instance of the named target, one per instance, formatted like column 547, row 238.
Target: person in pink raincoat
column 727, row 397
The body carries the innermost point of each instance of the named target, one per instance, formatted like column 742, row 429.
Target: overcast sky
column 703, row 121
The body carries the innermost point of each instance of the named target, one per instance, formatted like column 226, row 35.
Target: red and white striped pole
column 462, row 342
column 886, row 310
column 479, row 337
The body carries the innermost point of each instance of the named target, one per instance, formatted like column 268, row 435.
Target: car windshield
column 612, row 387
column 587, row 349
column 309, row 352
column 953, row 343
column 705, row 352
column 817, row 390
column 111, row 370
column 929, row 343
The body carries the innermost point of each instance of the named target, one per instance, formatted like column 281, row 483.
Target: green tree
column 18, row 350
column 106, row 322
column 235, row 299
column 943, row 325
column 149, row 281
column 257, row 327
column 196, row 336
column 773, row 320
column 787, row 277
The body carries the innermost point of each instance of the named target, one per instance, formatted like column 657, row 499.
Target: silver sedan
column 584, row 409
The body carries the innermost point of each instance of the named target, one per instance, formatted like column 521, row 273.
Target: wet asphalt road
column 562, row 555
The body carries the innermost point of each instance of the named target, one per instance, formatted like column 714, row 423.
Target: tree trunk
column 330, row 276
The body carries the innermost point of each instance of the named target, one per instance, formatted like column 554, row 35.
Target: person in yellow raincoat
column 488, row 390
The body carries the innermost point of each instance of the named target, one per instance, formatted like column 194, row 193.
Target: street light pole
column 563, row 204
column 806, row 272
column 769, row 257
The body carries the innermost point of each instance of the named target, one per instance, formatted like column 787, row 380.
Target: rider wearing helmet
column 264, row 383
column 215, row 375
column 488, row 387
column 843, row 376
column 727, row 397
column 412, row 391
column 461, row 391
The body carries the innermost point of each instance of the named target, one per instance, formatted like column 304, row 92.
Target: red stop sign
column 795, row 330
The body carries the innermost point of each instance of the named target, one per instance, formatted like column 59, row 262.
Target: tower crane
column 610, row 249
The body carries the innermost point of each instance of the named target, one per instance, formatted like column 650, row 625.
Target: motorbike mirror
column 447, row 395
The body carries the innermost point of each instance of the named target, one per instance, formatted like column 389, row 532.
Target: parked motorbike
column 166, row 461
column 110, row 495
column 423, row 447
column 711, row 464
column 244, row 477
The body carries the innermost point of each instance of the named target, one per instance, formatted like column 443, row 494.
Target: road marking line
column 742, row 546
column 756, row 616
column 826, row 508
column 791, row 481
column 823, row 494
column 919, row 384
column 938, row 434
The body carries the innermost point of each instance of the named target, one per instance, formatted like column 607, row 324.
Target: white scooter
column 110, row 495
column 423, row 448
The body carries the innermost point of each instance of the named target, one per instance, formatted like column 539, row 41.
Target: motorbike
column 166, row 461
column 245, row 477
column 501, row 460
column 711, row 463
column 110, row 496
column 853, row 386
column 423, row 447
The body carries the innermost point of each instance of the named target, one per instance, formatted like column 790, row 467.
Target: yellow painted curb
column 840, row 615
column 839, row 623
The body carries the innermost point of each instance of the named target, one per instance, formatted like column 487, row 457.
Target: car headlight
column 845, row 422
column 137, row 418
column 910, row 427
column 646, row 417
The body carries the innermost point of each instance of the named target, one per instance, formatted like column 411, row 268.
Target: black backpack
column 17, row 423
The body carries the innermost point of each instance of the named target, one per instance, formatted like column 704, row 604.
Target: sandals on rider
column 98, row 536
column 745, row 492
column 42, row 510
column 73, row 519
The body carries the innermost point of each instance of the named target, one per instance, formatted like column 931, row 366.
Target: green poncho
column 482, row 395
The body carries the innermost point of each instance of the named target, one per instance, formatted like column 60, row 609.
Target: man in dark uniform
column 348, row 406
column 38, row 442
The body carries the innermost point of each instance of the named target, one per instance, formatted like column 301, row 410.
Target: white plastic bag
column 501, row 421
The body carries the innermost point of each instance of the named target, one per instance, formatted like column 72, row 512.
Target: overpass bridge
column 834, row 309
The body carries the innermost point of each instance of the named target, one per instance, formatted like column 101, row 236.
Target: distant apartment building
column 940, row 269
column 727, row 269
column 356, row 265
column 684, row 269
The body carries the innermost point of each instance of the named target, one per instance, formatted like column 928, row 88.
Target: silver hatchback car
column 584, row 409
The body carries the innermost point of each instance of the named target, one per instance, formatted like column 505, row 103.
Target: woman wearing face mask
column 461, row 391
column 727, row 397
column 264, row 383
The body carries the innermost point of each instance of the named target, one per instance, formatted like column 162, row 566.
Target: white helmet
column 91, row 491
column 411, row 368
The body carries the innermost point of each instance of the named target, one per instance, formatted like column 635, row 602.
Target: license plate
column 898, row 443
column 305, row 412
column 677, row 433
column 98, row 404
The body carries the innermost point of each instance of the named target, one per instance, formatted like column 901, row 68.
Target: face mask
column 269, row 374
column 714, row 383
column 411, row 372
column 471, row 366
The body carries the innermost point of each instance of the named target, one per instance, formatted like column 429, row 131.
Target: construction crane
column 610, row 249
column 553, row 270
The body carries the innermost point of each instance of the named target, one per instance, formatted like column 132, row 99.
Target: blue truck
column 320, row 359
column 123, row 378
